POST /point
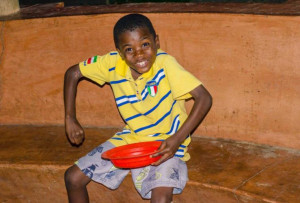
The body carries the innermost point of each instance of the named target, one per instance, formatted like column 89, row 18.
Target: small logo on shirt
column 152, row 87
column 90, row 60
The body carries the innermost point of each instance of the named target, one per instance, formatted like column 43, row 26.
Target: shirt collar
column 121, row 67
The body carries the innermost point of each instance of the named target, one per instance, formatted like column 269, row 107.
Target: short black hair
column 129, row 23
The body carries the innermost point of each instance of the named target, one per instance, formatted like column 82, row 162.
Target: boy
column 149, row 88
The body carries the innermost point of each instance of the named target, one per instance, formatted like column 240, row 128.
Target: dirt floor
column 34, row 158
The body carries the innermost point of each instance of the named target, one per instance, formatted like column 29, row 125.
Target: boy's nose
column 139, row 53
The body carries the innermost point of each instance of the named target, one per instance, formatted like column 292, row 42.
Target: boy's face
column 138, row 48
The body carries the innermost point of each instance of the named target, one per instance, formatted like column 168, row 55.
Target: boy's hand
column 167, row 149
column 74, row 131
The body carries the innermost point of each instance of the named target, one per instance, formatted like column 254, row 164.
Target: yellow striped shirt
column 152, row 105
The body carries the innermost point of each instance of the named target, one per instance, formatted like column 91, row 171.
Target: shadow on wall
column 106, row 2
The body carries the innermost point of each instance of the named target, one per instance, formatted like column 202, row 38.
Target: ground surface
column 34, row 158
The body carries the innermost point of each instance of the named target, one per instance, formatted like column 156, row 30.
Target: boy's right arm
column 73, row 128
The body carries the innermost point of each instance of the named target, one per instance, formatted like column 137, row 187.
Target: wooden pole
column 8, row 7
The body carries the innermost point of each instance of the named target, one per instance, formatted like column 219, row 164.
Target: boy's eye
column 146, row 44
column 128, row 50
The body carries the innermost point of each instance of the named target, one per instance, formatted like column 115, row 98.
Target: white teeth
column 142, row 63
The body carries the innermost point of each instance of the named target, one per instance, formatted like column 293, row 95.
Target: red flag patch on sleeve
column 90, row 60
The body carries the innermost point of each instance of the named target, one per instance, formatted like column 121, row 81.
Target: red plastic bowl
column 133, row 155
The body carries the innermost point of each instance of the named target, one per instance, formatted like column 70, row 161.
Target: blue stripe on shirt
column 125, row 131
column 118, row 81
column 151, row 110
column 111, row 69
column 162, row 53
column 157, row 122
column 127, row 101
column 173, row 125
column 125, row 96
column 116, row 138
column 157, row 74
column 146, row 94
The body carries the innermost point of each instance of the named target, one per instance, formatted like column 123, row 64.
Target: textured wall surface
column 249, row 63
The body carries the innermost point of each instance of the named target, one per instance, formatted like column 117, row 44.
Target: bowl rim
column 107, row 155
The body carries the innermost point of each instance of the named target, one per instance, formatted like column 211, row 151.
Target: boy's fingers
column 161, row 147
column 162, row 159
column 76, row 137
column 71, row 138
column 74, row 140
column 157, row 153
column 159, row 150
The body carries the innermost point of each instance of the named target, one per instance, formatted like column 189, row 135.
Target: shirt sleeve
column 96, row 68
column 181, row 81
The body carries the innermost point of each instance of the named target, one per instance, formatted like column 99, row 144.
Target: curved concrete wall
column 249, row 63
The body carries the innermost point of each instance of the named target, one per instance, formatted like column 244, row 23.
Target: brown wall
column 249, row 63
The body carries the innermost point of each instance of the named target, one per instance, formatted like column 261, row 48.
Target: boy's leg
column 162, row 195
column 159, row 183
column 92, row 167
column 76, row 182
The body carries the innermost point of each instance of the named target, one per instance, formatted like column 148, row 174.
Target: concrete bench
column 34, row 158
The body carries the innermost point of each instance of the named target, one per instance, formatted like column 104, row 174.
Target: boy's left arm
column 202, row 104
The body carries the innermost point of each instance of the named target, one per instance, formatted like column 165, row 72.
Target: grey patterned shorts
column 171, row 173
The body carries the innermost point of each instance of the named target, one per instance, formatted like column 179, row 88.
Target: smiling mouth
column 141, row 64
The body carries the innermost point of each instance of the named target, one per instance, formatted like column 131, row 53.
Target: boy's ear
column 157, row 42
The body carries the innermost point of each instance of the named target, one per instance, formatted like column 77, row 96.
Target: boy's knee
column 75, row 178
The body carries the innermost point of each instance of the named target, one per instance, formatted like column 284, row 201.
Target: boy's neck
column 135, row 74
